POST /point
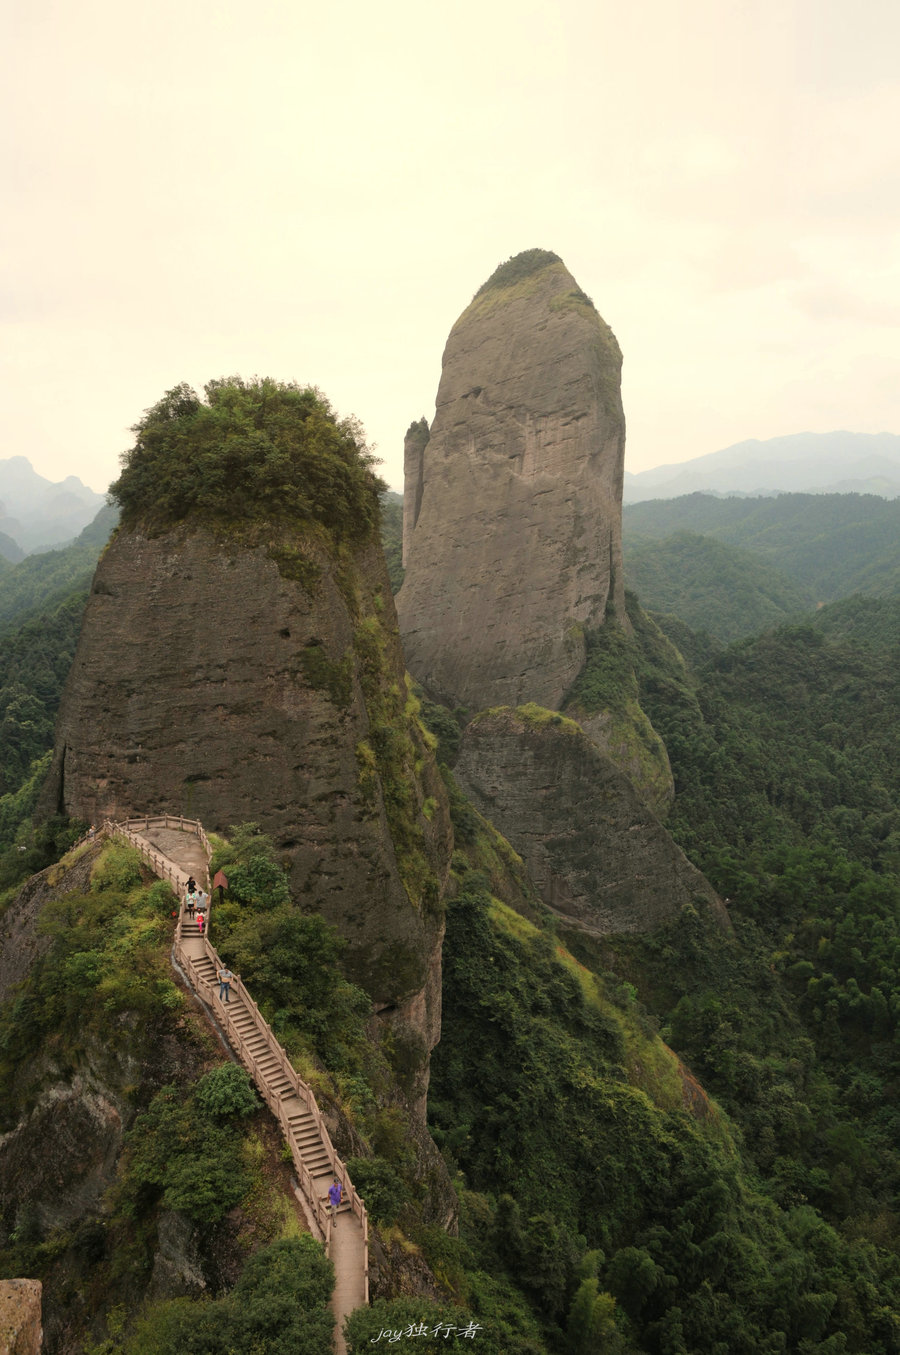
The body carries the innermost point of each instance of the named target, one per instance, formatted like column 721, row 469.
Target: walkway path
column 176, row 848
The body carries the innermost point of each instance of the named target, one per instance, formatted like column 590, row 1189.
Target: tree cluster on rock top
column 257, row 450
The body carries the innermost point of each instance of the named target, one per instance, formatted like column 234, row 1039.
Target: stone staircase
column 250, row 1037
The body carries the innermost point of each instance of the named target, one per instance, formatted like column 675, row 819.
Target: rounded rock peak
column 512, row 506
column 518, row 267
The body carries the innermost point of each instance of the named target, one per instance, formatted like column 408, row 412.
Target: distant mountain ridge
column 37, row 513
column 810, row 463
column 735, row 566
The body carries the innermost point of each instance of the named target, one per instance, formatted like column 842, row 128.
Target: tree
column 258, row 450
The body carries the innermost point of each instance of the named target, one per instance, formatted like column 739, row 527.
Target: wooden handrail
column 300, row 1088
column 170, row 870
column 167, row 869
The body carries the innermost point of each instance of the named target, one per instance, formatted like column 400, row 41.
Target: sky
column 315, row 192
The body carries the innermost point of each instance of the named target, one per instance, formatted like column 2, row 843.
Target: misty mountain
column 47, row 579
column 816, row 463
column 37, row 513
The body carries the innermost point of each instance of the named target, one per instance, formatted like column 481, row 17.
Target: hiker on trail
column 191, row 884
column 225, row 977
column 335, row 1191
column 191, row 905
column 202, row 900
column 200, row 921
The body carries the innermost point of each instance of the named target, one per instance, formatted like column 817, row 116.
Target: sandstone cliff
column 414, row 445
column 512, row 531
column 235, row 682
column 597, row 854
column 250, row 670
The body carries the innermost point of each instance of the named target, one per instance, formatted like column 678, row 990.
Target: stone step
column 303, row 1123
column 305, row 1133
column 314, row 1161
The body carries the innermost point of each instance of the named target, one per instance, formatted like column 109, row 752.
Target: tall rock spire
column 512, row 521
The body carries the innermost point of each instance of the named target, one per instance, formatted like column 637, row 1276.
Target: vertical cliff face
column 595, row 852
column 253, row 672
column 512, row 524
column 414, row 445
column 208, row 682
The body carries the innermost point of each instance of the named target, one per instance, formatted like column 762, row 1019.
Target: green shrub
column 226, row 1090
column 380, row 1185
column 277, row 1307
column 182, row 1158
column 258, row 881
column 119, row 868
column 257, row 450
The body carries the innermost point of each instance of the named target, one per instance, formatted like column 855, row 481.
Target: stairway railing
column 275, row 1100
column 162, row 866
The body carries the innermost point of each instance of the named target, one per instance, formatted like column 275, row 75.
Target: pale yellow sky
column 315, row 192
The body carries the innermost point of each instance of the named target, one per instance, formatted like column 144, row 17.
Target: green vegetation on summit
column 518, row 267
column 258, row 450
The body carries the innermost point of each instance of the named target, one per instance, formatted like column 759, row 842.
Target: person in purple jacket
column 335, row 1192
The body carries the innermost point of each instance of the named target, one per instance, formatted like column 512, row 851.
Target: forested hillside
column 723, row 590
column 43, row 581
column 774, row 1228
column 41, row 604
column 606, row 1202
column 785, row 751
column 796, row 551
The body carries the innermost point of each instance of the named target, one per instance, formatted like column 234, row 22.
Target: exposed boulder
column 596, row 852
column 20, row 1317
column 512, row 508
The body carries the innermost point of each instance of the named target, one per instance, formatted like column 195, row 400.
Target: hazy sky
column 314, row 193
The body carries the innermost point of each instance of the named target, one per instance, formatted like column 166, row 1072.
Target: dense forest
column 736, row 566
column 602, row 1208
column 785, row 754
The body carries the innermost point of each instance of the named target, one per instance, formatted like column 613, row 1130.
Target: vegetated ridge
column 735, row 566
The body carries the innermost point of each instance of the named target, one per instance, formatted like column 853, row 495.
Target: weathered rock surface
column 20, row 1317
column 629, row 739
column 59, row 1161
column 512, row 508
column 177, row 1268
column 262, row 680
column 414, row 445
column 596, row 853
